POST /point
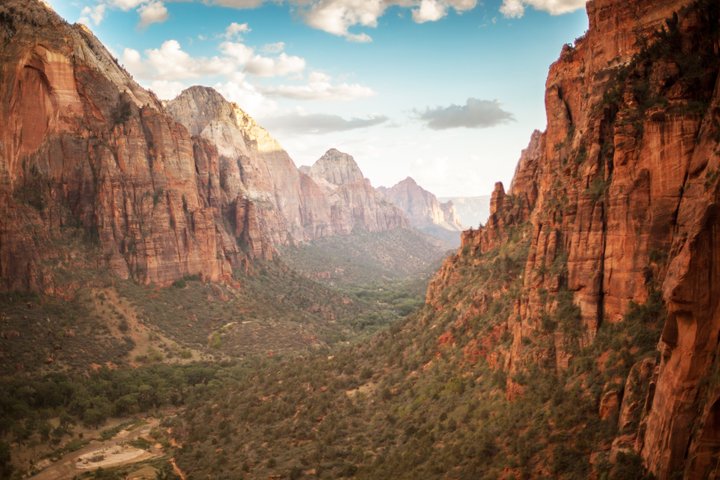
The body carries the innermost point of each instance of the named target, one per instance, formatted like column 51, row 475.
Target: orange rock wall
column 83, row 145
column 623, row 189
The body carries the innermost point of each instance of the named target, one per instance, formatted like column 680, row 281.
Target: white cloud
column 273, row 67
column 516, row 8
column 150, row 11
column 358, row 37
column 126, row 5
column 474, row 114
column 166, row 89
column 92, row 15
column 319, row 123
column 339, row 16
column 153, row 12
column 169, row 69
column 132, row 60
column 171, row 62
column 239, row 52
column 320, row 87
column 429, row 11
column 235, row 30
column 238, row 90
column 276, row 47
column 259, row 65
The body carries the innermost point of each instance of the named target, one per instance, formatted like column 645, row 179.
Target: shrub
column 597, row 189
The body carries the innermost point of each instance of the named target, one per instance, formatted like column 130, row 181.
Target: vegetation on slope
column 367, row 258
column 426, row 398
column 116, row 349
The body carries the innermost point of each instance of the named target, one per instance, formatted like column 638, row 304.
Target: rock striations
column 192, row 187
column 618, row 200
column 82, row 145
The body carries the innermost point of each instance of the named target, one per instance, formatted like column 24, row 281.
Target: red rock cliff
column 619, row 198
column 82, row 145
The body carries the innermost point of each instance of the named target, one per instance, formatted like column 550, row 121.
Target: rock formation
column 353, row 203
column 82, row 145
column 253, row 166
column 191, row 187
column 619, row 197
column 423, row 209
column 330, row 198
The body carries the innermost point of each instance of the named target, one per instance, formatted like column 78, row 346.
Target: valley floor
column 87, row 379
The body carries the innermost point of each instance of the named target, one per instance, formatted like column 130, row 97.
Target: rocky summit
column 424, row 210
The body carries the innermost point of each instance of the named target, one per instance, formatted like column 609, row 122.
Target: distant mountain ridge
column 471, row 211
column 424, row 210
column 332, row 198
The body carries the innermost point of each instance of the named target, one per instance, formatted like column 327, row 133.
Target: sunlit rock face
column 330, row 198
column 354, row 203
column 422, row 208
column 83, row 146
column 252, row 165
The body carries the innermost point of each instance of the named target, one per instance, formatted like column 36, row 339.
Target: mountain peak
column 198, row 106
column 206, row 112
column 423, row 208
column 199, row 91
column 337, row 167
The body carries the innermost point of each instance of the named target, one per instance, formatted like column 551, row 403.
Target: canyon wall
column 190, row 187
column 618, row 202
column 84, row 147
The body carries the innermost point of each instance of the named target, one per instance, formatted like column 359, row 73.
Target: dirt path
column 177, row 470
column 109, row 453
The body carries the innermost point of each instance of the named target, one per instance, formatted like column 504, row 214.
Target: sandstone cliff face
column 353, row 203
column 422, row 207
column 618, row 199
column 253, row 167
column 82, row 145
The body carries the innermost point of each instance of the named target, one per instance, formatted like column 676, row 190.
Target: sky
column 445, row 91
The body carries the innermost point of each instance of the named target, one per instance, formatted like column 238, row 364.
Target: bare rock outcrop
column 422, row 208
column 353, row 202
